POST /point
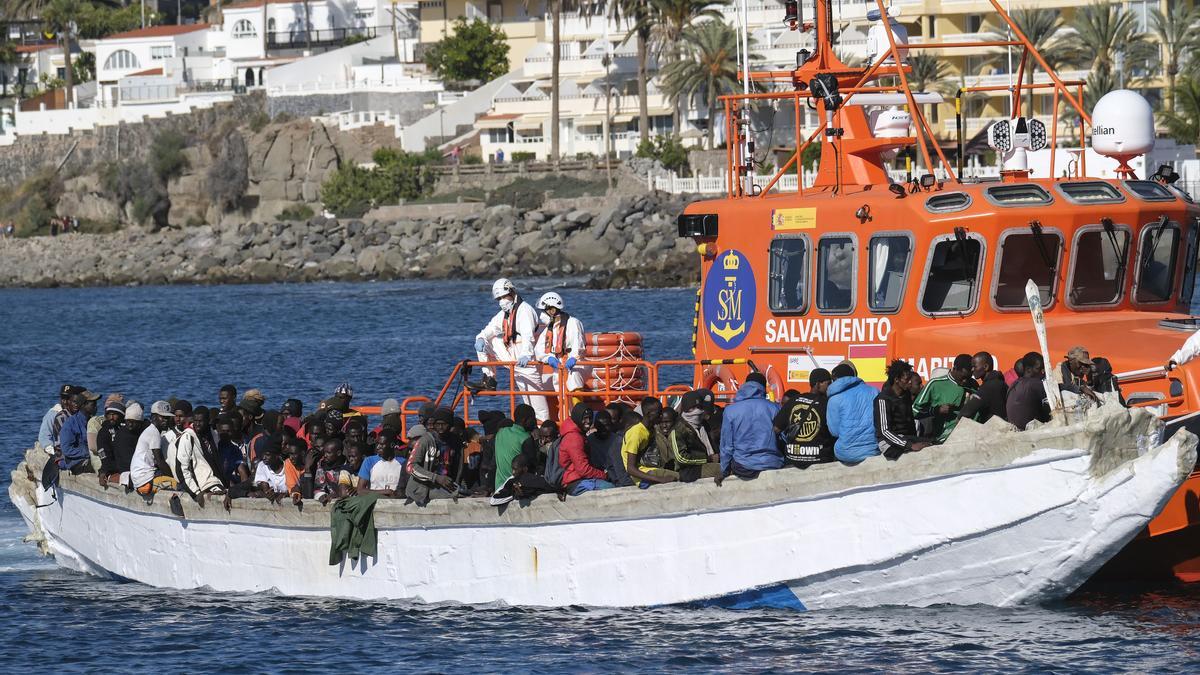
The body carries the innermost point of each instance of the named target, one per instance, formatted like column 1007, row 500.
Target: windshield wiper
column 1035, row 227
column 1148, row 252
column 1119, row 252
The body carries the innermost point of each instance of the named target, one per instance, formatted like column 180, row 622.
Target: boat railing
column 1173, row 382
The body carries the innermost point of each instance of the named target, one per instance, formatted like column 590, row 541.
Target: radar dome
column 1122, row 125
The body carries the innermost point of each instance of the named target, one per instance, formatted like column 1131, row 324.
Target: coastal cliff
column 615, row 242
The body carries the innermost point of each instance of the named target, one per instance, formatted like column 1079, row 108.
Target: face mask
column 544, row 317
column 506, row 304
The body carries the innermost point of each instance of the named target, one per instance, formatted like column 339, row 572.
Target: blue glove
column 570, row 362
column 552, row 361
column 522, row 361
column 480, row 344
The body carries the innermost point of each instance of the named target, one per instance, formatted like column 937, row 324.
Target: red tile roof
column 29, row 49
column 159, row 31
column 256, row 3
column 501, row 116
column 146, row 73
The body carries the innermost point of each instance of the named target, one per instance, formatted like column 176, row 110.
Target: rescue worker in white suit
column 560, row 344
column 1189, row 351
column 509, row 336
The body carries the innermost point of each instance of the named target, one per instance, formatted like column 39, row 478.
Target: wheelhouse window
column 1187, row 290
column 835, row 275
column 1159, row 250
column 1024, row 256
column 1098, row 265
column 788, row 275
column 953, row 275
column 890, row 256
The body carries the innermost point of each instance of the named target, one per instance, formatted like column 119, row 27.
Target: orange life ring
column 775, row 386
column 613, row 338
column 718, row 379
column 617, row 371
column 634, row 384
column 603, row 352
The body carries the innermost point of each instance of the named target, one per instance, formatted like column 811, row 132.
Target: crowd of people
column 242, row 448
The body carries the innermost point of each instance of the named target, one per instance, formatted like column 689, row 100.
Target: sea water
column 402, row 338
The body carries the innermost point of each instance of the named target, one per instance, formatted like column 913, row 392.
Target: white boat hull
column 1002, row 532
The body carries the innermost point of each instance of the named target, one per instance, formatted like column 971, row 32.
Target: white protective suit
column 572, row 347
column 187, row 463
column 529, row 378
column 1189, row 350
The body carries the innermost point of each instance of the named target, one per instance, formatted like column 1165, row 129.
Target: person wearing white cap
column 560, row 344
column 143, row 468
column 509, row 336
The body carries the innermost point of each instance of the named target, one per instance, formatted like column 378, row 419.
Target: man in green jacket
column 515, row 440
column 943, row 397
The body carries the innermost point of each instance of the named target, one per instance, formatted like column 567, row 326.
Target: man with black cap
column 72, row 451
column 48, row 434
column 106, row 439
column 696, row 456
column 803, row 427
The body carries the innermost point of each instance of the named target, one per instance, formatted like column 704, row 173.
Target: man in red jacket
column 579, row 476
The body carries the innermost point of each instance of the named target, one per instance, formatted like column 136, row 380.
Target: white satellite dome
column 1122, row 125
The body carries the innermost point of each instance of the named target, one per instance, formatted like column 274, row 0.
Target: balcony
column 316, row 39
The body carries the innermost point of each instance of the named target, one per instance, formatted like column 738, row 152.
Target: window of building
column 835, row 275
column 159, row 53
column 1026, row 255
column 974, row 23
column 495, row 11
column 1098, row 263
column 788, row 275
column 952, row 275
column 122, row 59
column 271, row 25
column 244, row 29
column 890, row 257
column 1156, row 262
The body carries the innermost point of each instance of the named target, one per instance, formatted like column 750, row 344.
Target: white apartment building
column 34, row 61
column 519, row 119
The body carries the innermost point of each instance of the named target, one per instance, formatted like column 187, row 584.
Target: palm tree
column 1103, row 33
column 636, row 12
column 1040, row 27
column 58, row 17
column 8, row 57
column 1183, row 121
column 710, row 68
column 667, row 20
column 1176, row 34
column 928, row 72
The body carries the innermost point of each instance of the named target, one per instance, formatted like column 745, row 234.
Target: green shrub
column 259, row 121
column 31, row 205
column 351, row 191
column 473, row 51
column 296, row 212
column 166, row 155
column 667, row 149
column 530, row 193
column 472, row 160
column 518, row 157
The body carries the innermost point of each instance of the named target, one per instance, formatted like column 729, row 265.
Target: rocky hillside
column 626, row 241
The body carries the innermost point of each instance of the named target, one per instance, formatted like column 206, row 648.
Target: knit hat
column 133, row 411
column 114, row 403
column 444, row 415
column 390, row 407
column 416, row 431
column 490, row 419
column 699, row 398
column 252, row 402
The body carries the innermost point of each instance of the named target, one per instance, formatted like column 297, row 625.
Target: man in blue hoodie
column 851, row 402
column 748, row 442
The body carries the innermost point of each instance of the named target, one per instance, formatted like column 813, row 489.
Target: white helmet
column 550, row 299
column 501, row 288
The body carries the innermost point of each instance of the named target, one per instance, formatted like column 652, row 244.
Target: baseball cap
column 1079, row 355
column 699, row 398
column 69, row 390
column 162, row 408
column 93, row 396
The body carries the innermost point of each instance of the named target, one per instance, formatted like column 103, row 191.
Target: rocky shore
column 616, row 242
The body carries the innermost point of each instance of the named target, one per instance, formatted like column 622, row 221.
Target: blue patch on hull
column 778, row 596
